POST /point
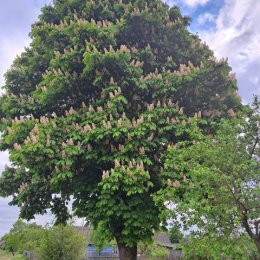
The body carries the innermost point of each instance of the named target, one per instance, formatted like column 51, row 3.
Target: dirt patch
column 4, row 257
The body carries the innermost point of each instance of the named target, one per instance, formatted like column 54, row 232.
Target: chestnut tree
column 92, row 104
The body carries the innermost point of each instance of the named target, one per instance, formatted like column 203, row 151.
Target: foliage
column 215, row 248
column 62, row 242
column 4, row 253
column 175, row 234
column 18, row 257
column 12, row 242
column 219, row 178
column 158, row 251
column 59, row 242
column 92, row 105
column 99, row 238
column 152, row 250
column 23, row 236
column 18, row 226
column 30, row 239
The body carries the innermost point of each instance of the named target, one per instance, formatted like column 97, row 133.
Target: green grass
column 18, row 257
column 7, row 256
column 4, row 253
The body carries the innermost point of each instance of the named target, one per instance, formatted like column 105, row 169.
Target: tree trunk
column 127, row 253
column 254, row 237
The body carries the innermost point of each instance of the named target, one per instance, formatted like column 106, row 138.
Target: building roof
column 162, row 239
column 85, row 230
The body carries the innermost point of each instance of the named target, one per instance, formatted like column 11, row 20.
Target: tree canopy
column 23, row 236
column 58, row 242
column 92, row 104
column 219, row 179
column 62, row 242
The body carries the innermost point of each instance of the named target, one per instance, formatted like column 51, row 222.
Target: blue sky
column 230, row 27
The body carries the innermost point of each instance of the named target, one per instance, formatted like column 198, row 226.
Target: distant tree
column 18, row 226
column 23, row 236
column 31, row 239
column 91, row 106
column 62, row 242
column 219, row 178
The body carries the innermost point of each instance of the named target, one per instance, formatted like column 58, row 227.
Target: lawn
column 4, row 255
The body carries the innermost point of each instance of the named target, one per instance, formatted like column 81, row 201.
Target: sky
column 230, row 28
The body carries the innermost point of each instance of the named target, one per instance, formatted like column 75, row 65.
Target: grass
column 4, row 255
column 7, row 256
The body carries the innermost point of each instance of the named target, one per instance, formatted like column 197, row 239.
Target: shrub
column 62, row 242
column 216, row 248
column 24, row 237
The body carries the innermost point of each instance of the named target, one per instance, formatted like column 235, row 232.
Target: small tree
column 18, row 227
column 23, row 236
column 219, row 178
column 99, row 237
column 63, row 243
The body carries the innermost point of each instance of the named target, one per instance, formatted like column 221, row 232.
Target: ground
column 5, row 255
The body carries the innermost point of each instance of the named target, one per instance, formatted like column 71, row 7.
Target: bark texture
column 127, row 253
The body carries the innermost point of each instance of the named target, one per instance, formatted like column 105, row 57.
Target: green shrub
column 175, row 235
column 62, row 242
column 24, row 237
column 153, row 251
column 216, row 248
column 159, row 251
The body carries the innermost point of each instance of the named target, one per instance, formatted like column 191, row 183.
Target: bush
column 153, row 251
column 216, row 248
column 31, row 239
column 159, row 251
column 25, row 237
column 62, row 242
column 175, row 235
column 59, row 242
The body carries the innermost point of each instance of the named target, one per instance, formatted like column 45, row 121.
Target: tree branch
column 247, row 227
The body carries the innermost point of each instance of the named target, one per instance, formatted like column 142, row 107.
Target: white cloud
column 237, row 36
column 206, row 17
column 254, row 80
column 8, row 216
column 9, row 49
column 16, row 17
column 4, row 160
column 193, row 3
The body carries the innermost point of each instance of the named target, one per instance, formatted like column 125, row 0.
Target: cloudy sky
column 230, row 27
